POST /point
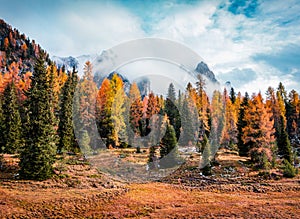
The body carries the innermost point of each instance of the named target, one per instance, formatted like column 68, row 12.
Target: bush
column 288, row 170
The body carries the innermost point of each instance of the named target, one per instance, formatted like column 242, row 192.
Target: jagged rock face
column 203, row 69
column 68, row 62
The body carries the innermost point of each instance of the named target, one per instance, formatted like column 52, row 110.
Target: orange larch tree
column 259, row 132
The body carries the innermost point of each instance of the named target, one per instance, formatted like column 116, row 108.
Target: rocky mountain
column 70, row 62
column 16, row 47
column 100, row 67
column 143, row 84
column 203, row 69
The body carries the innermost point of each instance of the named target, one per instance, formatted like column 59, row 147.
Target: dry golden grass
column 79, row 191
column 151, row 200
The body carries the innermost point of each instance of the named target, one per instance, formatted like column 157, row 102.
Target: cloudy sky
column 252, row 43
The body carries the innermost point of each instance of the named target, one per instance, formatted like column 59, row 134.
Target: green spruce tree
column 172, row 111
column 284, row 144
column 243, row 149
column 12, row 129
column 65, row 127
column 39, row 154
column 168, row 148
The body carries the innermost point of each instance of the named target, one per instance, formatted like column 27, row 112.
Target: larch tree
column 38, row 156
column 119, row 135
column 135, row 111
column 202, row 103
column 87, row 90
column 103, row 112
column 152, row 109
column 259, row 132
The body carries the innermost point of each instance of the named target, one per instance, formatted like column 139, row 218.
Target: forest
column 37, row 110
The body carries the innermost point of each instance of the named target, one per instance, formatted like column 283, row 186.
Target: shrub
column 288, row 170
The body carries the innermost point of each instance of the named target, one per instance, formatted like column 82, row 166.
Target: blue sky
column 252, row 43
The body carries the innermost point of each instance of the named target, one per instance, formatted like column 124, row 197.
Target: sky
column 254, row 44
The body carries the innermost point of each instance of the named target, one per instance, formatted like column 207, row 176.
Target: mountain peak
column 203, row 69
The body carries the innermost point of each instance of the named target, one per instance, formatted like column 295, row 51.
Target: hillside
column 16, row 47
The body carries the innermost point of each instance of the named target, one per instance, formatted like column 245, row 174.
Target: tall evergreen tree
column 284, row 144
column 39, row 153
column 292, row 116
column 172, row 111
column 241, row 124
column 168, row 148
column 232, row 95
column 189, row 122
column 65, row 127
column 12, row 131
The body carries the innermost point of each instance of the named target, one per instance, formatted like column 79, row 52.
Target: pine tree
column 284, row 143
column 292, row 116
column 168, row 148
column 189, row 122
column 12, row 129
column 241, row 124
column 172, row 111
column 65, row 127
column 39, row 153
column 232, row 95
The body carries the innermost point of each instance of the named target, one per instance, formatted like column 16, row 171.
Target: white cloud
column 224, row 40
